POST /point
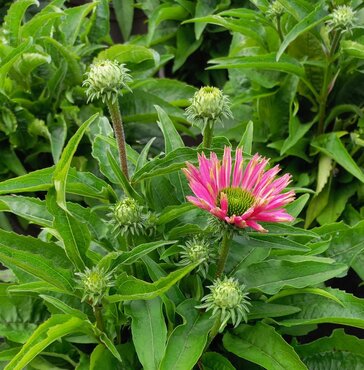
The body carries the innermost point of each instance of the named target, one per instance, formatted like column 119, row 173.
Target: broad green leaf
column 162, row 13
column 352, row 48
column 262, row 310
column 295, row 208
column 53, row 329
column 345, row 242
column 100, row 22
column 79, row 183
column 130, row 257
column 30, row 208
column 273, row 275
column 130, row 288
column 124, row 12
column 74, row 234
column 316, row 309
column 149, row 331
column 8, row 61
column 333, row 352
column 143, row 157
column 246, row 28
column 45, row 261
column 331, row 145
column 317, row 205
column 172, row 139
column 314, row 18
column 203, row 8
column 34, row 287
column 58, row 134
column 101, row 358
column 171, row 162
column 246, row 141
column 72, row 21
column 172, row 212
column 72, row 59
column 29, row 62
column 122, row 179
column 14, row 17
column 65, row 308
column 187, row 341
column 325, row 167
column 300, row 9
column 215, row 361
column 62, row 167
column 270, row 241
column 283, row 230
column 129, row 54
column 19, row 315
column 267, row 62
column 262, row 345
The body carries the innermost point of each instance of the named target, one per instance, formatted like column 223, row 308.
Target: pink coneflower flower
column 241, row 196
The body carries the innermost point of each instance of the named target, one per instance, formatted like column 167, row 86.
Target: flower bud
column 94, row 283
column 197, row 250
column 227, row 299
column 130, row 217
column 342, row 18
column 105, row 79
column 275, row 9
column 208, row 104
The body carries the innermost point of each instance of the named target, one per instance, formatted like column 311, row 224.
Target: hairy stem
column 225, row 246
column 207, row 134
column 119, row 133
column 98, row 316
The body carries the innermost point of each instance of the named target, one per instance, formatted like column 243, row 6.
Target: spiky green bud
column 105, row 79
column 208, row 104
column 227, row 299
column 342, row 18
column 275, row 9
column 94, row 284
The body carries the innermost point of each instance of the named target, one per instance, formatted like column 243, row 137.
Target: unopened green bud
column 227, row 299
column 105, row 79
column 208, row 104
column 275, row 9
column 94, row 284
column 127, row 211
column 342, row 18
column 197, row 250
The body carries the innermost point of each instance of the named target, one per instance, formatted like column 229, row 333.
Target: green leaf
column 295, row 208
column 162, row 13
column 172, row 212
column 262, row 345
column 30, row 208
column 270, row 241
column 273, row 275
column 14, row 17
column 100, row 26
column 149, row 332
column 187, row 341
column 101, row 358
column 130, row 54
column 267, row 62
column 72, row 59
column 62, row 167
column 53, row 329
column 325, row 166
column 73, row 20
column 331, row 145
column 262, row 310
column 74, row 234
column 19, row 315
column 128, row 258
column 124, row 12
column 316, row 309
column 58, row 134
column 215, row 361
column 345, row 242
column 172, row 139
column 79, row 183
column 60, row 305
column 203, row 8
column 332, row 352
column 171, row 162
column 45, row 261
column 131, row 288
column 8, row 61
column 352, row 48
column 314, row 18
column 246, row 141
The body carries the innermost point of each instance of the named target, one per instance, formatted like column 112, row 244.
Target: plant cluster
column 151, row 254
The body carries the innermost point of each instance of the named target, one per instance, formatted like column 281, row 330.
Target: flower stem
column 119, row 133
column 225, row 246
column 98, row 316
column 207, row 134
column 214, row 331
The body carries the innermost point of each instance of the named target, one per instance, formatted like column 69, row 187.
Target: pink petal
column 238, row 168
column 225, row 169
